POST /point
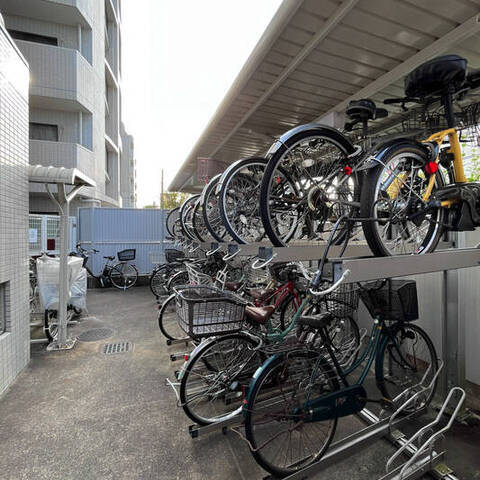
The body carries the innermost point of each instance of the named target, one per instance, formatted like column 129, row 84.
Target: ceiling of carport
column 316, row 55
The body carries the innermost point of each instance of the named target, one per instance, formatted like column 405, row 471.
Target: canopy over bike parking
column 316, row 61
column 315, row 57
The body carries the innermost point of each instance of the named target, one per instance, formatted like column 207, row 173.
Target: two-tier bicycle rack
column 363, row 267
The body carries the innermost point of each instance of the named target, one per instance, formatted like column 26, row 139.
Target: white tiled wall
column 15, row 342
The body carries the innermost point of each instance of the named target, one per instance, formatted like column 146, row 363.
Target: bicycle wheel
column 392, row 194
column 167, row 320
column 123, row 275
column 179, row 278
column 172, row 216
column 198, row 223
column 403, row 359
column 211, row 211
column 277, row 425
column 217, row 376
column 306, row 186
column 240, row 198
column 50, row 326
column 186, row 217
column 158, row 281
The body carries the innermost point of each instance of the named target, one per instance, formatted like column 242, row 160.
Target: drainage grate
column 119, row 347
column 95, row 334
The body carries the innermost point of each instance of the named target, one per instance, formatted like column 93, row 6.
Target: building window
column 43, row 131
column 3, row 307
column 33, row 37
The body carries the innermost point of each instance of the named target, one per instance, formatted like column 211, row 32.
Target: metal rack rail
column 363, row 267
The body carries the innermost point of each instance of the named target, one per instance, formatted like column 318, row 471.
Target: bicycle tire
column 177, row 279
column 50, row 329
column 277, row 373
column 223, row 345
column 186, row 211
column 369, row 202
column 158, row 281
column 164, row 323
column 170, row 220
column 386, row 386
column 333, row 137
column 253, row 198
column 211, row 213
column 117, row 276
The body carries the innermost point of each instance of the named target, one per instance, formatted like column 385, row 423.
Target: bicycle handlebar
column 333, row 287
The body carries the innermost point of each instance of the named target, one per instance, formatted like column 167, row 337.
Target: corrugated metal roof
column 316, row 55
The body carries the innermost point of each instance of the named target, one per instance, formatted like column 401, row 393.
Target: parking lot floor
column 82, row 415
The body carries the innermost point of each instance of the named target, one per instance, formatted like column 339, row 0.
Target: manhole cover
column 119, row 347
column 95, row 334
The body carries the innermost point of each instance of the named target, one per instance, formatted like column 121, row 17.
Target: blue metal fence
column 111, row 230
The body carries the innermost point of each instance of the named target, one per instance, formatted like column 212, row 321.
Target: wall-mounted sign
column 32, row 235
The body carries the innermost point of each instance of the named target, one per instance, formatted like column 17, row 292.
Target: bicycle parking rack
column 363, row 267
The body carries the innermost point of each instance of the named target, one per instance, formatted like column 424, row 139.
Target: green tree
column 170, row 200
column 174, row 199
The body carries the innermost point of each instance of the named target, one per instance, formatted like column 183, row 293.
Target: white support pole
column 63, row 274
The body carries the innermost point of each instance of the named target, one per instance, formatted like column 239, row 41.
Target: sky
column 179, row 58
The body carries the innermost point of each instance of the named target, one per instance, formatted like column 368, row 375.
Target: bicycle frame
column 458, row 170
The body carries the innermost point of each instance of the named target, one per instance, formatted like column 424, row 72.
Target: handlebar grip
column 389, row 101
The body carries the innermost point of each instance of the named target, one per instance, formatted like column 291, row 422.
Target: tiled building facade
column 14, row 305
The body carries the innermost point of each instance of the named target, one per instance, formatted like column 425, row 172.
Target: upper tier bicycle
column 415, row 191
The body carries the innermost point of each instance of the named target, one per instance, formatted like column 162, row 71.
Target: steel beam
column 374, row 268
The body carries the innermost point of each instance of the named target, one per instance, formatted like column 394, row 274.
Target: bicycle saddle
column 109, row 257
column 435, row 75
column 259, row 314
column 318, row 321
column 365, row 109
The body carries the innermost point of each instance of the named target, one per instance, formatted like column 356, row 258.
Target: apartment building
column 14, row 314
column 128, row 170
column 73, row 50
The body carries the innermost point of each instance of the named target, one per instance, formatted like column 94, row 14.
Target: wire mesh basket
column 173, row 255
column 156, row 258
column 343, row 301
column 127, row 254
column 204, row 311
column 394, row 300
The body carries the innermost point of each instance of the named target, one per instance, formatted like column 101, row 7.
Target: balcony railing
column 61, row 73
column 62, row 154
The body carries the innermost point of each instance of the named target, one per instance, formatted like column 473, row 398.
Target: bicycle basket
column 204, row 311
column 394, row 300
column 343, row 301
column 172, row 255
column 126, row 255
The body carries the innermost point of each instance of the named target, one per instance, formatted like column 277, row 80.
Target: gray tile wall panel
column 15, row 342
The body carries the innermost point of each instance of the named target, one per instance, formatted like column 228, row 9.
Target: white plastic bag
column 48, row 271
column 78, row 296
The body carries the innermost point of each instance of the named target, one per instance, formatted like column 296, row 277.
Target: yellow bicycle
column 416, row 190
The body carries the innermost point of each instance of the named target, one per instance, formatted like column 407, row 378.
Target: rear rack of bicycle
column 424, row 448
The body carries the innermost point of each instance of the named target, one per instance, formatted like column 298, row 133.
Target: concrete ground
column 83, row 415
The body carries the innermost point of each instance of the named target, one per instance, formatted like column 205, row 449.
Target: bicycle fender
column 258, row 372
column 231, row 167
column 378, row 153
column 316, row 128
